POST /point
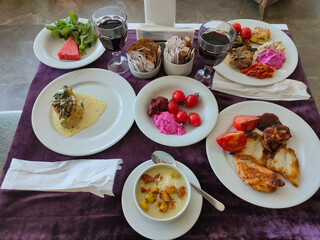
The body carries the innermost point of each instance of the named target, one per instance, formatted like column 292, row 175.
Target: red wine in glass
column 216, row 57
column 117, row 34
column 110, row 24
column 215, row 40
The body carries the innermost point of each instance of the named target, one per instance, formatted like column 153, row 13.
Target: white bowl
column 178, row 69
column 177, row 215
column 145, row 75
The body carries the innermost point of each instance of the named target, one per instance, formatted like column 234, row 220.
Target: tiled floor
column 21, row 21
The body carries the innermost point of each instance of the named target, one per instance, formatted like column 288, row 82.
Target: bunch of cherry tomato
column 179, row 98
column 244, row 32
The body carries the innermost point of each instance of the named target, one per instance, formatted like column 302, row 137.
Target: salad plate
column 160, row 230
column 207, row 108
column 46, row 48
column 291, row 54
column 304, row 142
column 112, row 125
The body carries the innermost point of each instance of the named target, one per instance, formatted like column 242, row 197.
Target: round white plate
column 46, row 48
column 154, row 230
column 288, row 66
column 112, row 125
column 304, row 142
column 207, row 108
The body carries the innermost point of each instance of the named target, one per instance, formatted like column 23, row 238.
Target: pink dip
column 272, row 58
column 167, row 124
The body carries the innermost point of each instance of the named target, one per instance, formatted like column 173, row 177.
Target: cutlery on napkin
column 85, row 175
column 286, row 90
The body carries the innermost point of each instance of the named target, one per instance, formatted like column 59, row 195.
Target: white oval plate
column 304, row 142
column 112, row 125
column 46, row 48
column 207, row 108
column 154, row 230
column 288, row 66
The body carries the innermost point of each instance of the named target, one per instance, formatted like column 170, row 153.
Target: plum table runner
column 53, row 215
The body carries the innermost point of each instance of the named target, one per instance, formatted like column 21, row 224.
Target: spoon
column 163, row 157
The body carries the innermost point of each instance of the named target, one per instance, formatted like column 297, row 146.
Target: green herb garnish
column 83, row 34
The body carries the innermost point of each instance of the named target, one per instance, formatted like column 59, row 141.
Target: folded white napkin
column 85, row 175
column 286, row 90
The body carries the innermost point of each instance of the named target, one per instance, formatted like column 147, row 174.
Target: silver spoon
column 163, row 157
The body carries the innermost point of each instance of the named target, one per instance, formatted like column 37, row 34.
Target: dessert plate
column 285, row 71
column 304, row 142
column 155, row 230
column 112, row 125
column 207, row 108
column 46, row 48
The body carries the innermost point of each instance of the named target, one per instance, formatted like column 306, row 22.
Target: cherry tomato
column 232, row 141
column 172, row 107
column 245, row 123
column 194, row 119
column 178, row 96
column 246, row 32
column 237, row 27
column 192, row 100
column 182, row 116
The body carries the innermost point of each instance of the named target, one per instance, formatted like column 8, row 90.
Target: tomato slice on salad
column 245, row 123
column 232, row 141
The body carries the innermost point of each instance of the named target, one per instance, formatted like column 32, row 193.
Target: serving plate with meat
column 242, row 59
column 301, row 147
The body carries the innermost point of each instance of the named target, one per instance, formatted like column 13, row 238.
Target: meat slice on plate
column 286, row 162
column 274, row 136
column 257, row 177
column 253, row 150
column 241, row 57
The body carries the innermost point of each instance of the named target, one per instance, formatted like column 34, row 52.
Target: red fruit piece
column 232, row 141
column 69, row 50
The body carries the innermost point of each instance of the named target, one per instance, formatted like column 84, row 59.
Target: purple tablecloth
column 49, row 215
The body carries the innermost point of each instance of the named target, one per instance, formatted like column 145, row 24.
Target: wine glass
column 110, row 24
column 215, row 40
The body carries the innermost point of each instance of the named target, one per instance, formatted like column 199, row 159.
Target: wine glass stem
column 116, row 57
column 207, row 72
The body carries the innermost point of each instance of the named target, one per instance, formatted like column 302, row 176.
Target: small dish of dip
column 162, row 193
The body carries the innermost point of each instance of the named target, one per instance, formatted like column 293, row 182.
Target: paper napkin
column 286, row 90
column 85, row 175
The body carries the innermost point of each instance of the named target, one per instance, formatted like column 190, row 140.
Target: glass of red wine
column 215, row 40
column 110, row 24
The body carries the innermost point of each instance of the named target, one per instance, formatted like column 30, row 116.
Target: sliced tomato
column 232, row 141
column 245, row 123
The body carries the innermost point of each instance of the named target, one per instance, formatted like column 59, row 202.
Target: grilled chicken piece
column 241, row 57
column 68, row 108
column 274, row 136
column 257, row 177
column 253, row 150
column 286, row 162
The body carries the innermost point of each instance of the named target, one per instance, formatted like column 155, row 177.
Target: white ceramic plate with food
column 304, row 142
column 46, row 48
column 112, row 125
column 288, row 67
column 160, row 230
column 207, row 108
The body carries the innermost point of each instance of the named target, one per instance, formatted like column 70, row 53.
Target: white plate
column 154, row 230
column 112, row 125
column 46, row 48
column 207, row 108
column 288, row 66
column 304, row 142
